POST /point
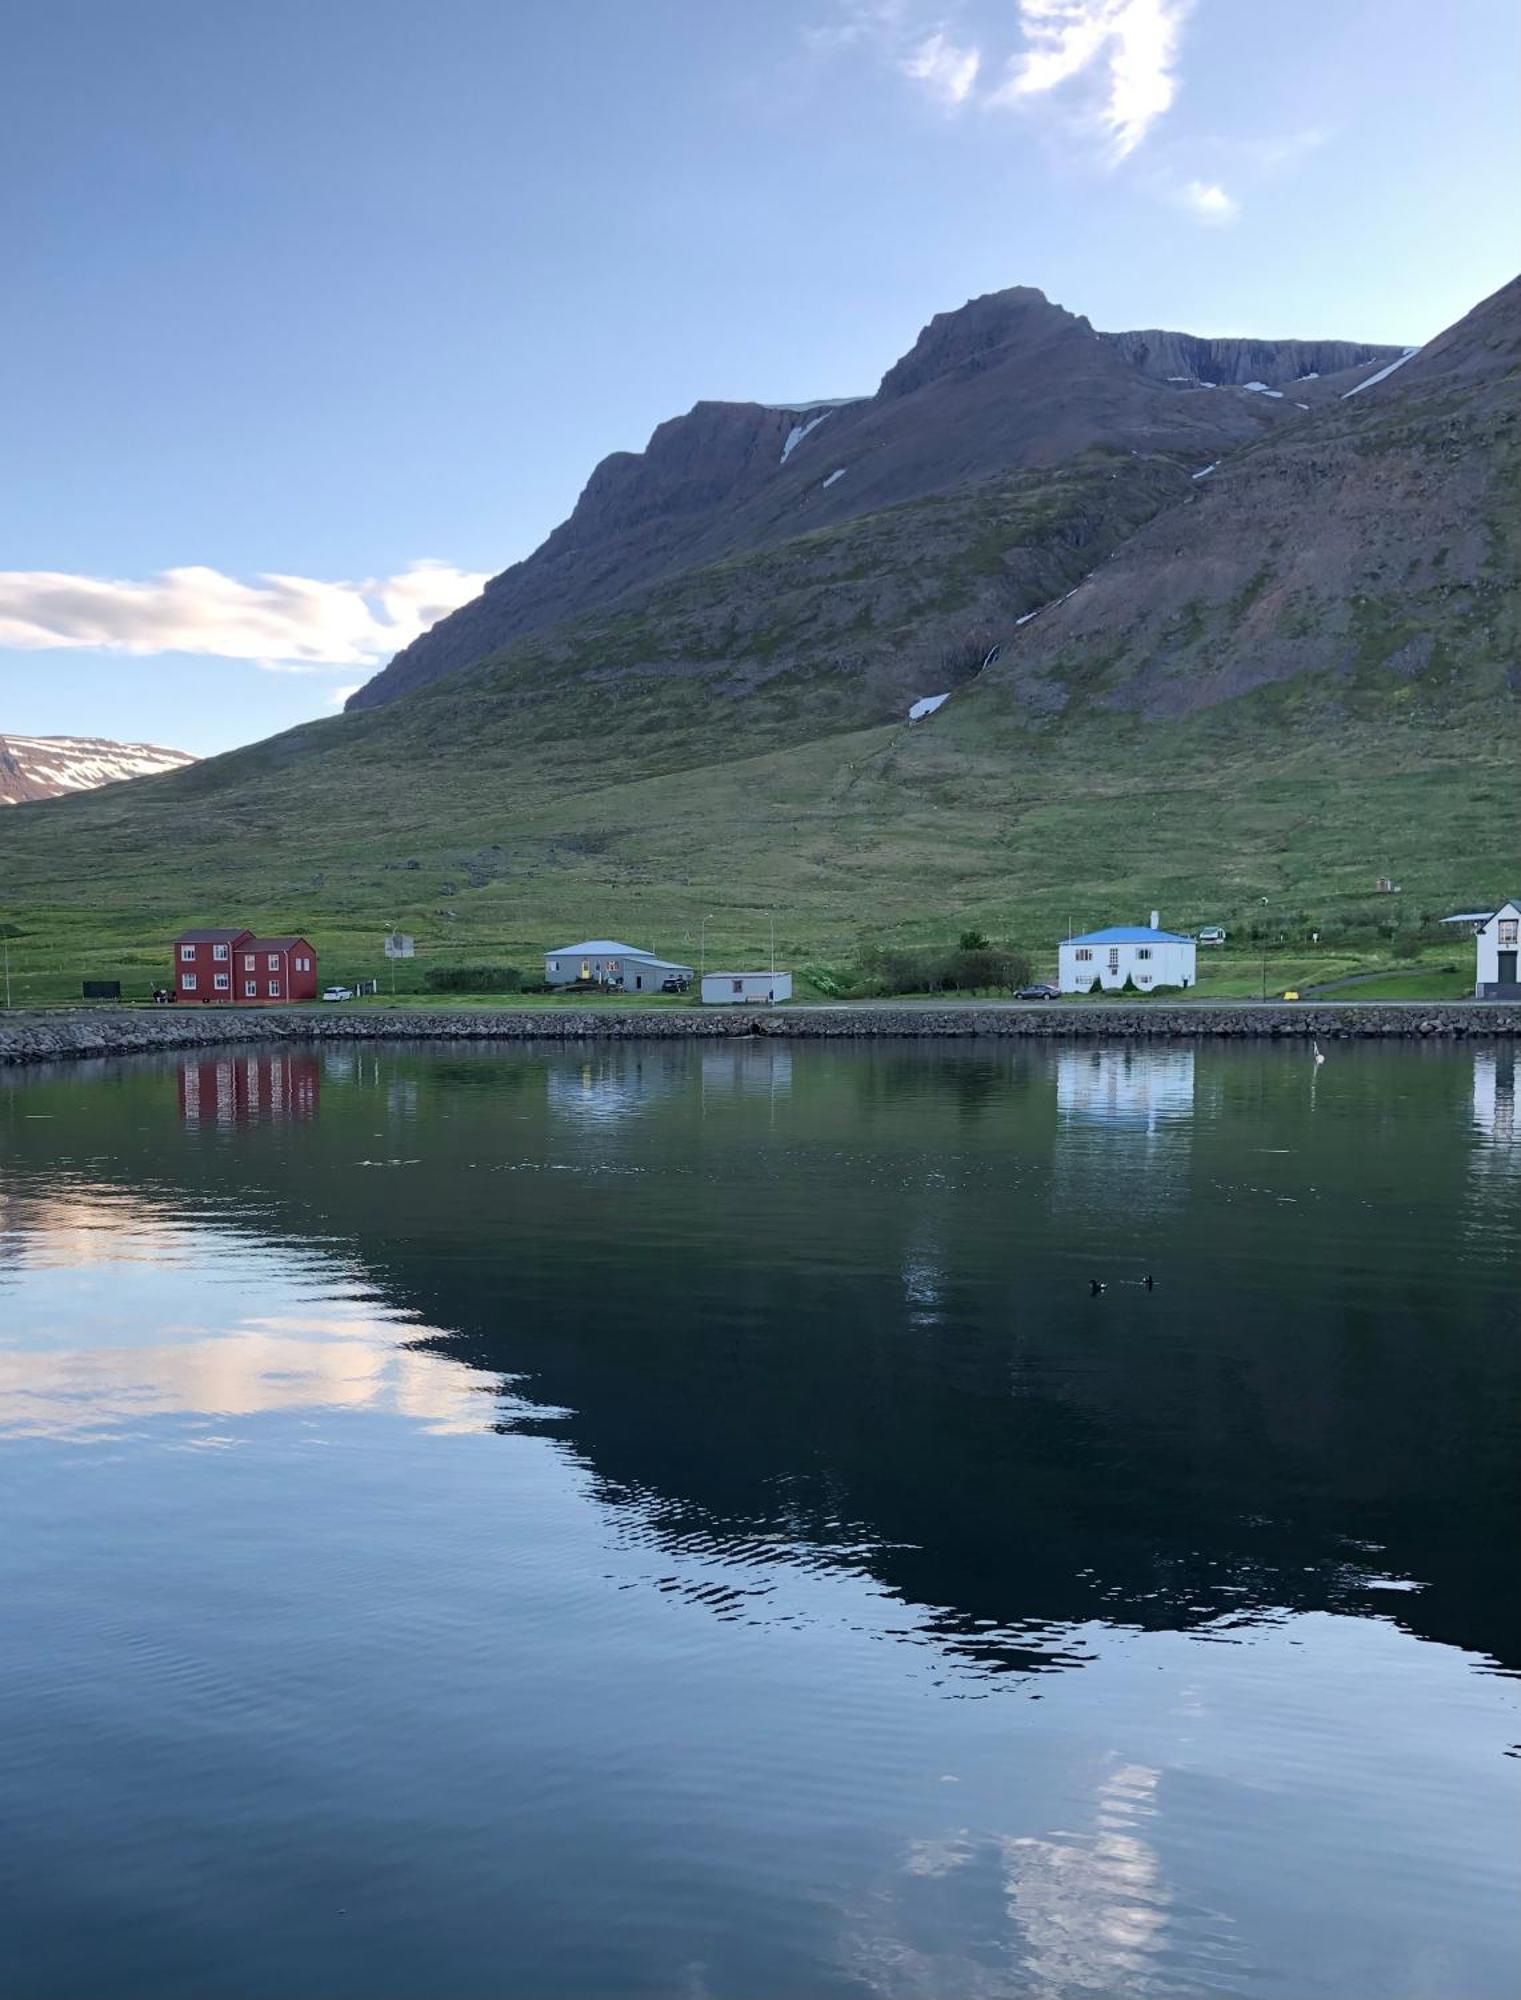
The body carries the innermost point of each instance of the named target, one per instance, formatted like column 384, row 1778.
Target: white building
column 745, row 989
column 1496, row 940
column 605, row 962
column 1142, row 953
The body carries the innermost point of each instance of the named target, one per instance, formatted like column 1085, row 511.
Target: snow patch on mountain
column 798, row 432
column 45, row 767
column 1382, row 373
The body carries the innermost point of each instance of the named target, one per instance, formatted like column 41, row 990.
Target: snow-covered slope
column 42, row 767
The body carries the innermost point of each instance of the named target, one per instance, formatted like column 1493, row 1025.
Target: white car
column 1212, row 934
column 338, row 993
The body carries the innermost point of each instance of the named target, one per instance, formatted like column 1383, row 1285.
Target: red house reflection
column 261, row 1087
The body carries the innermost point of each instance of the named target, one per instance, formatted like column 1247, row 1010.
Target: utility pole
column 773, row 942
column 702, row 947
column 7, row 972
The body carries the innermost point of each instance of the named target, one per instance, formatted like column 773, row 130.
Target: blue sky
column 327, row 292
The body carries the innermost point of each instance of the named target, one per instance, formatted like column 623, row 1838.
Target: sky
column 319, row 312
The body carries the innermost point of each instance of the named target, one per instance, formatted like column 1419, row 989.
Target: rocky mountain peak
column 982, row 333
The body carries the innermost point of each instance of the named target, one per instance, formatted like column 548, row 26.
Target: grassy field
column 658, row 811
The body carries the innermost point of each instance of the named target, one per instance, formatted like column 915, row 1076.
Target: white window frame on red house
column 250, row 961
column 219, row 952
column 187, row 982
column 221, row 983
column 250, row 989
column 274, row 989
column 187, row 954
column 272, row 962
column 303, row 965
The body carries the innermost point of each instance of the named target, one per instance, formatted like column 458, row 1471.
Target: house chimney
column 1156, row 920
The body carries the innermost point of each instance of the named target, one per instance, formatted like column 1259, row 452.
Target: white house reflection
column 1141, row 1089
column 1124, row 1128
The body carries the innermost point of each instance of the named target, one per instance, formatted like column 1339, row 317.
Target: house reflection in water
column 1124, row 1128
column 1139, row 1088
column 266, row 1086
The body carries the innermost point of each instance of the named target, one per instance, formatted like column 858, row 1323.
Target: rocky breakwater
column 52, row 1037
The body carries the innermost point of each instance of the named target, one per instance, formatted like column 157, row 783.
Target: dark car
column 1038, row 993
column 675, row 984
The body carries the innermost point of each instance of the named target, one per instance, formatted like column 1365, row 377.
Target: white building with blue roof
column 1144, row 954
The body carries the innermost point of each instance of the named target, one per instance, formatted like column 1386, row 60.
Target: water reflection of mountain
column 838, row 1328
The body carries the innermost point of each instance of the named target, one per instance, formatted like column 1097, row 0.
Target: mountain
column 1212, row 650
column 45, row 767
column 1374, row 542
column 1007, row 383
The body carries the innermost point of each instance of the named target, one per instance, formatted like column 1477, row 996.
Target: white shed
column 1496, row 939
column 1142, row 953
column 745, row 989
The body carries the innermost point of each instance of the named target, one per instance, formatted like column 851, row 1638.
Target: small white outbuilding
column 1496, row 939
column 1144, row 954
column 745, row 989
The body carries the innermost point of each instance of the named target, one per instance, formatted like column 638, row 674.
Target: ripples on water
column 679, row 1521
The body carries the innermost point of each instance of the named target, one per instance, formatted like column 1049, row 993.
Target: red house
column 270, row 971
column 233, row 968
column 203, row 966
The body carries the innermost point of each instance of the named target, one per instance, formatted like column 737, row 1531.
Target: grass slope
column 734, row 747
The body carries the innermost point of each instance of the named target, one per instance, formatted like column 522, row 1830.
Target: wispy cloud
column 1120, row 56
column 1209, row 201
column 945, row 69
column 287, row 624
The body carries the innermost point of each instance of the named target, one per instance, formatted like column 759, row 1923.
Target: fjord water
column 677, row 1520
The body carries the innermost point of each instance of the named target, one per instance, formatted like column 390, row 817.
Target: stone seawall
column 49, row 1037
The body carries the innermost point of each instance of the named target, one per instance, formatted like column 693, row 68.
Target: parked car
column 1038, row 993
column 1211, row 934
column 675, row 984
column 338, row 993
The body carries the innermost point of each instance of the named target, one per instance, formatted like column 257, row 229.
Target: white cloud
column 287, row 624
column 1209, row 201
column 947, row 71
column 1124, row 53
column 340, row 695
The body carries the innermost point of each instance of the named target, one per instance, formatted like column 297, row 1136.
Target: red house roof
column 275, row 944
column 212, row 936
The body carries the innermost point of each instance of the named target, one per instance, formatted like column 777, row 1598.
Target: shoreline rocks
column 55, row 1036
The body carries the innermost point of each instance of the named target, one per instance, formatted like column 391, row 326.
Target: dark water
column 675, row 1521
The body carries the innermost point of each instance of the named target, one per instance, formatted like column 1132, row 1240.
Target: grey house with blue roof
column 1144, row 954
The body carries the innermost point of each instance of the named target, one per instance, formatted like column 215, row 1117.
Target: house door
column 1505, row 967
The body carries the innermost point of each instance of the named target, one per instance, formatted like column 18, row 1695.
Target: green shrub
column 961, row 970
column 974, row 941
column 473, row 979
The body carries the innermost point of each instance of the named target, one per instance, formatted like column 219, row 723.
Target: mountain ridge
column 1006, row 381
column 46, row 767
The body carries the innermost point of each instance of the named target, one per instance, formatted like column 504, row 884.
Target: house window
column 273, row 961
column 303, row 965
column 221, row 982
column 219, row 952
column 1144, row 952
column 739, row 986
column 1084, row 956
column 249, row 961
column 187, row 954
column 187, row 982
column 1507, row 934
column 1143, row 978
column 250, row 989
column 274, row 989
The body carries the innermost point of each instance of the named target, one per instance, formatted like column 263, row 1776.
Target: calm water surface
column 677, row 1521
